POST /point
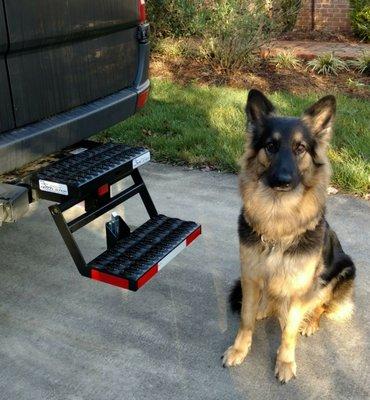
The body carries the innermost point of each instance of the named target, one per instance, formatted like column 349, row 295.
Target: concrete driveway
column 68, row 338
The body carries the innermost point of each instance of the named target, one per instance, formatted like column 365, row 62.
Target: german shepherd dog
column 292, row 263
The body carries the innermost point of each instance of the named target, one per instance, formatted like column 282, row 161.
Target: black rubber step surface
column 134, row 260
column 89, row 168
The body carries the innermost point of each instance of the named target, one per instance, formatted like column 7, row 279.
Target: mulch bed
column 320, row 36
column 263, row 76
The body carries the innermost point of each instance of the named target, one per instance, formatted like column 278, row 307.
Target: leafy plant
column 360, row 18
column 353, row 83
column 237, row 30
column 289, row 10
column 229, row 31
column 327, row 64
column 362, row 63
column 169, row 46
column 286, row 60
column 176, row 18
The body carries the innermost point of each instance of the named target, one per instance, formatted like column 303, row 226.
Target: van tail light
column 142, row 11
column 142, row 98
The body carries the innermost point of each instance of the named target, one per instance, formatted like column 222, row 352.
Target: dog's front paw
column 233, row 357
column 285, row 371
column 308, row 328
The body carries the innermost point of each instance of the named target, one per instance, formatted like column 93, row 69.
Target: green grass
column 205, row 126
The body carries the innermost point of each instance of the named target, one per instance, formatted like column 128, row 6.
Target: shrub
column 177, row 18
column 362, row 63
column 230, row 31
column 360, row 18
column 233, row 33
column 327, row 64
column 289, row 10
column 286, row 60
column 169, row 46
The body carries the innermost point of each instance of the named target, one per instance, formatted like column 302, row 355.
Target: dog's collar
column 270, row 244
column 286, row 241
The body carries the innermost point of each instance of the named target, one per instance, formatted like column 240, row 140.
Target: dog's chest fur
column 280, row 274
column 282, row 270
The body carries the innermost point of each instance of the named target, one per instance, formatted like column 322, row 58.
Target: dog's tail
column 235, row 297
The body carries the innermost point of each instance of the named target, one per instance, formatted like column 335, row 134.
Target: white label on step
column 78, row 151
column 172, row 255
column 53, row 187
column 141, row 160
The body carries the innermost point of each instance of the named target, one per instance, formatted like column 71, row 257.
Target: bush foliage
column 361, row 63
column 360, row 18
column 230, row 31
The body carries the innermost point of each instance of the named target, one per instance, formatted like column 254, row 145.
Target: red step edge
column 107, row 278
column 125, row 283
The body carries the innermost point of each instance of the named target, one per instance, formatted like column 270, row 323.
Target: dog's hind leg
column 341, row 306
column 339, row 272
column 236, row 353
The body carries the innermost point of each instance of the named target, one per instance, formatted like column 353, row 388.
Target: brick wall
column 329, row 15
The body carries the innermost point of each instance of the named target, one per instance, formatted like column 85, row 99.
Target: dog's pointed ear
column 258, row 107
column 320, row 117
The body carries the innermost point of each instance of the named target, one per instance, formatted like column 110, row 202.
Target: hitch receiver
column 14, row 202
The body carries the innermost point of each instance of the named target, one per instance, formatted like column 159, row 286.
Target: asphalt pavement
column 65, row 337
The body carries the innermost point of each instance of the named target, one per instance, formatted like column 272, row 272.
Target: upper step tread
column 80, row 169
column 133, row 258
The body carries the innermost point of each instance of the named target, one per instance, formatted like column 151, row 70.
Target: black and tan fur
column 292, row 263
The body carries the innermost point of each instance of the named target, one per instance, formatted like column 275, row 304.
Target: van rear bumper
column 21, row 146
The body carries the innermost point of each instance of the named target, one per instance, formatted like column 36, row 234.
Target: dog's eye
column 300, row 149
column 271, row 147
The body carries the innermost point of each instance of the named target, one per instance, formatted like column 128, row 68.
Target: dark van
column 69, row 69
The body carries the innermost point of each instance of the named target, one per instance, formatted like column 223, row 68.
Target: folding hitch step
column 135, row 259
column 76, row 175
column 131, row 258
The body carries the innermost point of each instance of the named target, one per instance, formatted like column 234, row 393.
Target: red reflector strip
column 142, row 98
column 193, row 236
column 147, row 276
column 103, row 190
column 142, row 11
column 107, row 278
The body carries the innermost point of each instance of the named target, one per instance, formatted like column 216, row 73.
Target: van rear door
column 6, row 112
column 63, row 54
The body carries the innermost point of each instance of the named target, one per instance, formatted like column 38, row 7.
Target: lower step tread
column 136, row 259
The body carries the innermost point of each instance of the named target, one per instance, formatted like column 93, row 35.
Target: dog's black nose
column 283, row 181
column 282, row 176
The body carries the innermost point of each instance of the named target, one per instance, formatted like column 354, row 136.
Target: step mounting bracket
column 98, row 206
